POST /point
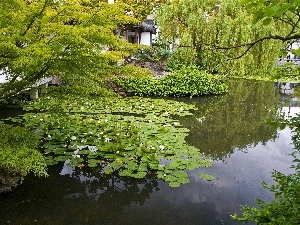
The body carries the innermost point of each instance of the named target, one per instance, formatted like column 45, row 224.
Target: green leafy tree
column 40, row 38
column 285, row 12
column 203, row 27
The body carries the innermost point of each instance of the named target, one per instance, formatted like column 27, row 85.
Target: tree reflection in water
column 225, row 123
column 82, row 200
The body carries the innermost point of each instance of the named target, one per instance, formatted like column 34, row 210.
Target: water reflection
column 6, row 112
column 223, row 124
column 86, row 196
column 98, row 184
column 75, row 196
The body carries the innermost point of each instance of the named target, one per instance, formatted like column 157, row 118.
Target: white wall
column 2, row 77
column 145, row 38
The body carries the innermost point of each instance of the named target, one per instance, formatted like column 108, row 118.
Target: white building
column 138, row 34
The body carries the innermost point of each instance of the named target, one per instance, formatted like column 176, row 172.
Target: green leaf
column 207, row 177
column 258, row 16
column 267, row 21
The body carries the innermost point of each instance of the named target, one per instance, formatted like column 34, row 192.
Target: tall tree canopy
column 40, row 38
column 203, row 26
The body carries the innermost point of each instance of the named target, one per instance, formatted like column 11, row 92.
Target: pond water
column 229, row 128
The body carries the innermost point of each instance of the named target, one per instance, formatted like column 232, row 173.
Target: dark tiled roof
column 148, row 26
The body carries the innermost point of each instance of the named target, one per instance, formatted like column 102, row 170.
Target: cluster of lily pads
column 130, row 136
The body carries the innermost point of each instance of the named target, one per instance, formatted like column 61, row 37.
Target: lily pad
column 207, row 177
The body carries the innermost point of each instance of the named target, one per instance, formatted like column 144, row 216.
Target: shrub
column 152, row 54
column 17, row 151
column 188, row 81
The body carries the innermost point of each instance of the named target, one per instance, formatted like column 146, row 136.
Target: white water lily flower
column 107, row 139
column 118, row 152
column 161, row 147
column 76, row 151
column 101, row 132
column 73, row 138
column 181, row 109
column 155, row 117
column 166, row 113
column 200, row 119
column 150, row 121
column 92, row 149
column 175, row 123
column 76, row 154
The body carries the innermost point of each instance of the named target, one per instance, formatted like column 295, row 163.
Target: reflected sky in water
column 251, row 152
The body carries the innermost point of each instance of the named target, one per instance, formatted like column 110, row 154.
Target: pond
column 229, row 128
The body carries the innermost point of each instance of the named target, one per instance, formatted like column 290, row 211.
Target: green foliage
column 131, row 136
column 208, row 35
column 206, row 176
column 18, row 151
column 283, row 13
column 266, row 11
column 297, row 92
column 152, row 54
column 192, row 81
column 285, row 208
column 286, row 72
column 142, row 8
column 182, row 57
column 74, row 86
column 46, row 38
column 188, row 81
column 142, row 86
column 132, row 71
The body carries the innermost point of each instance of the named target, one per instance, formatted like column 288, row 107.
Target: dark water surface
column 229, row 128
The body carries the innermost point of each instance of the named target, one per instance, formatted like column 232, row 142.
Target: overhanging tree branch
column 253, row 43
column 11, row 88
